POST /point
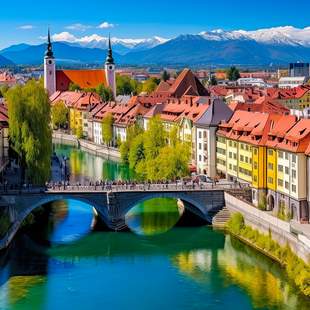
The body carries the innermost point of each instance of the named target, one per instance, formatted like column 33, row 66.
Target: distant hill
column 197, row 50
column 64, row 53
column 5, row 62
column 263, row 47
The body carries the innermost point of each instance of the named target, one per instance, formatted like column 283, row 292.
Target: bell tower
column 110, row 70
column 49, row 67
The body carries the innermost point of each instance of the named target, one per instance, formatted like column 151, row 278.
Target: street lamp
column 65, row 170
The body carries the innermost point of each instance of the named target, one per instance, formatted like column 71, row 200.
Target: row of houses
column 270, row 152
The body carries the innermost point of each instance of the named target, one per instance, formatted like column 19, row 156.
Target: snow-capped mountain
column 286, row 35
column 120, row 45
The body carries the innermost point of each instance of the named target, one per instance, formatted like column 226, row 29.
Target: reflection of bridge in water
column 112, row 205
column 27, row 258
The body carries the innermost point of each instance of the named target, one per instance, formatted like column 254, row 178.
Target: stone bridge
column 111, row 206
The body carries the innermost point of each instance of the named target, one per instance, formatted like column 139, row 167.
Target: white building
column 291, row 82
column 252, row 82
column 205, row 138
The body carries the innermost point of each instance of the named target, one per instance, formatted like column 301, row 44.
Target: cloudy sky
column 27, row 21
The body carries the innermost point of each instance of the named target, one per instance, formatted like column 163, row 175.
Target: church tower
column 110, row 70
column 49, row 67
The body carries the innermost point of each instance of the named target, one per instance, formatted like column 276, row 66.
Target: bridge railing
column 60, row 187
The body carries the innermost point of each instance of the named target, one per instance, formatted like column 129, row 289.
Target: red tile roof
column 83, row 78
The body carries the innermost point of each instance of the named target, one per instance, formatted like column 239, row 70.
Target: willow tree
column 30, row 132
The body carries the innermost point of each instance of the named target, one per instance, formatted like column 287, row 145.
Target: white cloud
column 26, row 27
column 64, row 36
column 78, row 27
column 105, row 25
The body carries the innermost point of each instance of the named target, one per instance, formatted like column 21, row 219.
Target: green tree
column 29, row 128
column 165, row 76
column 3, row 90
column 127, row 86
column 136, row 152
column 60, row 114
column 213, row 80
column 74, row 87
column 107, row 128
column 105, row 93
column 150, row 85
column 233, row 74
column 155, row 137
column 79, row 132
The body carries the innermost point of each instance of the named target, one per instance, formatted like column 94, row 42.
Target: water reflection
column 188, row 268
column 86, row 167
column 154, row 216
column 71, row 220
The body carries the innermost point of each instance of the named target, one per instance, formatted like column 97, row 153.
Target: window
column 230, row 166
column 230, row 154
column 280, row 154
column 280, row 182
column 286, row 170
column 255, row 151
column 287, row 185
column 294, row 174
column 204, row 134
column 255, row 165
column 235, row 156
column 286, row 156
column 199, row 146
column 199, row 157
column 199, row 134
column 205, row 147
column 270, row 152
column 270, row 166
column 293, row 188
column 280, row 168
column 270, row 180
column 294, row 158
column 241, row 158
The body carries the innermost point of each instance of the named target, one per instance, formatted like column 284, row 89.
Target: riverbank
column 297, row 270
column 91, row 147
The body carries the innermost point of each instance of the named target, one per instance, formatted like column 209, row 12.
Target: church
column 60, row 80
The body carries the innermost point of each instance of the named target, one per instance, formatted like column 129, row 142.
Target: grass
column 297, row 270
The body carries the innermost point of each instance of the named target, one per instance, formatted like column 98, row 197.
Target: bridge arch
column 191, row 204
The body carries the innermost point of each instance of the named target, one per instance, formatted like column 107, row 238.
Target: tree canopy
column 150, row 155
column 165, row 76
column 107, row 128
column 233, row 74
column 150, row 85
column 74, row 87
column 29, row 128
column 127, row 86
column 105, row 93
column 60, row 114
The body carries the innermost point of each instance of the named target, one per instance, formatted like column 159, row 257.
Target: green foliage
column 105, row 93
column 74, row 87
column 127, row 86
column 5, row 222
column 60, row 114
column 79, row 132
column 165, row 76
column 262, row 205
column 297, row 270
column 150, row 85
column 233, row 74
column 3, row 90
column 136, row 152
column 29, row 127
column 107, row 128
column 151, row 157
column 213, row 80
column 282, row 213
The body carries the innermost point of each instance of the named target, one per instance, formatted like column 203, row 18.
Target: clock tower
column 110, row 70
column 49, row 68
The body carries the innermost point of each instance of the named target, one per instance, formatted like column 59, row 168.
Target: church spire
column 49, row 51
column 109, row 60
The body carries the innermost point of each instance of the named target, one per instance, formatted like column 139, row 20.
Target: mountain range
column 276, row 46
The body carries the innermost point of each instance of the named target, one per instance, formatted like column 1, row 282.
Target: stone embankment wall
column 91, row 147
column 281, row 231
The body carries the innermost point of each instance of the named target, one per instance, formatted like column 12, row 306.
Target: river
column 69, row 262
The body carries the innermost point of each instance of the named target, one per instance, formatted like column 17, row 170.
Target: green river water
column 71, row 264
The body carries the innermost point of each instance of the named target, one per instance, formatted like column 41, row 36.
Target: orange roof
column 83, row 78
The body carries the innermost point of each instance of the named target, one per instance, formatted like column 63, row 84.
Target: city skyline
column 141, row 20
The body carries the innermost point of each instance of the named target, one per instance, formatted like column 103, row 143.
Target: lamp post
column 65, row 171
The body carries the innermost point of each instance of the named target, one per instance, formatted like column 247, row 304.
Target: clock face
column 110, row 67
column 50, row 62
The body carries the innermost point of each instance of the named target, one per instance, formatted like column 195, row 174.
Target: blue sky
column 26, row 21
